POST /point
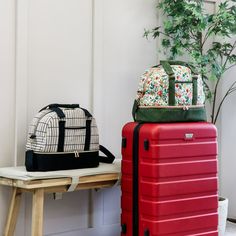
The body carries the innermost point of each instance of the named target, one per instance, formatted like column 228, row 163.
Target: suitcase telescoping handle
column 56, row 105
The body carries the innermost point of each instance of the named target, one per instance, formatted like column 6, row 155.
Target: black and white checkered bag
column 64, row 136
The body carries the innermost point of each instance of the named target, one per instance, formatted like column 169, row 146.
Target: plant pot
column 223, row 212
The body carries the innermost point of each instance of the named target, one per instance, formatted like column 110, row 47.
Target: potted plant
column 207, row 40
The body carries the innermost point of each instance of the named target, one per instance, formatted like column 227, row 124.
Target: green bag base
column 165, row 115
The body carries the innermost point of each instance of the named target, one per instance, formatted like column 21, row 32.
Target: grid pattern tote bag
column 170, row 92
column 62, row 137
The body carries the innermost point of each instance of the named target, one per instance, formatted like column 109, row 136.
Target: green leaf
column 187, row 28
column 232, row 59
column 212, row 77
column 166, row 43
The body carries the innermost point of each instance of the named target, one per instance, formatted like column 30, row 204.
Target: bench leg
column 37, row 212
column 13, row 212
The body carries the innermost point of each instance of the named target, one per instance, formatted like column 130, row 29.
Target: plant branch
column 188, row 32
column 227, row 59
column 232, row 90
column 214, row 101
column 219, row 108
column 216, row 88
column 229, row 91
column 167, row 35
column 230, row 67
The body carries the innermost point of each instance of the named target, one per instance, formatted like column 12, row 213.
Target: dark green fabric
column 135, row 108
column 167, row 67
column 174, row 114
column 163, row 115
column 171, row 90
column 181, row 63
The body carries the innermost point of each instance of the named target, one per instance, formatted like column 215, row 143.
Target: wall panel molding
column 22, row 11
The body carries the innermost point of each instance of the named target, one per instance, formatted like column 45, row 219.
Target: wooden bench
column 39, row 187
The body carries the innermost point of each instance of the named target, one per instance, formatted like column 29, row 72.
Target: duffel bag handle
column 168, row 69
column 55, row 105
column 109, row 158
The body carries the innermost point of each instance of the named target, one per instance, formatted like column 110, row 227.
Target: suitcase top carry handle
column 55, row 105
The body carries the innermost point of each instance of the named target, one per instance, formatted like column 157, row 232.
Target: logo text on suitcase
column 188, row 136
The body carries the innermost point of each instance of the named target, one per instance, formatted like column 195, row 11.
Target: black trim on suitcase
column 135, row 180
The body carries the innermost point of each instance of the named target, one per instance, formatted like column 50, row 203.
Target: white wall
column 68, row 51
column 7, row 93
column 228, row 142
column 121, row 56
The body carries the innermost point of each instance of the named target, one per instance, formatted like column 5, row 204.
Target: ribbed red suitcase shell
column 177, row 180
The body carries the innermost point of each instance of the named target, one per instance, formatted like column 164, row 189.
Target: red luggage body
column 169, row 179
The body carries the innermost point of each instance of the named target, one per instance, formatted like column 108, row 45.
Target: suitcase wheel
column 146, row 232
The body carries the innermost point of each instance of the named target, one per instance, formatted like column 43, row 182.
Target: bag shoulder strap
column 109, row 158
column 55, row 105
column 167, row 64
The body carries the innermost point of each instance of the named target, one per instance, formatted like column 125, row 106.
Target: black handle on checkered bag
column 109, row 158
column 56, row 105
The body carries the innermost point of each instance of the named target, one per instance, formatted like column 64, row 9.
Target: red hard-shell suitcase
column 169, row 179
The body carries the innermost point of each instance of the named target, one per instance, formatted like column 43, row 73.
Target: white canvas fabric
column 44, row 131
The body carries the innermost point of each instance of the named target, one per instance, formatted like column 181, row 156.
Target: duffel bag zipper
column 184, row 107
column 76, row 153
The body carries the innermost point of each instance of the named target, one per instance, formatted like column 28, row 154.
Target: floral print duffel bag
column 170, row 92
